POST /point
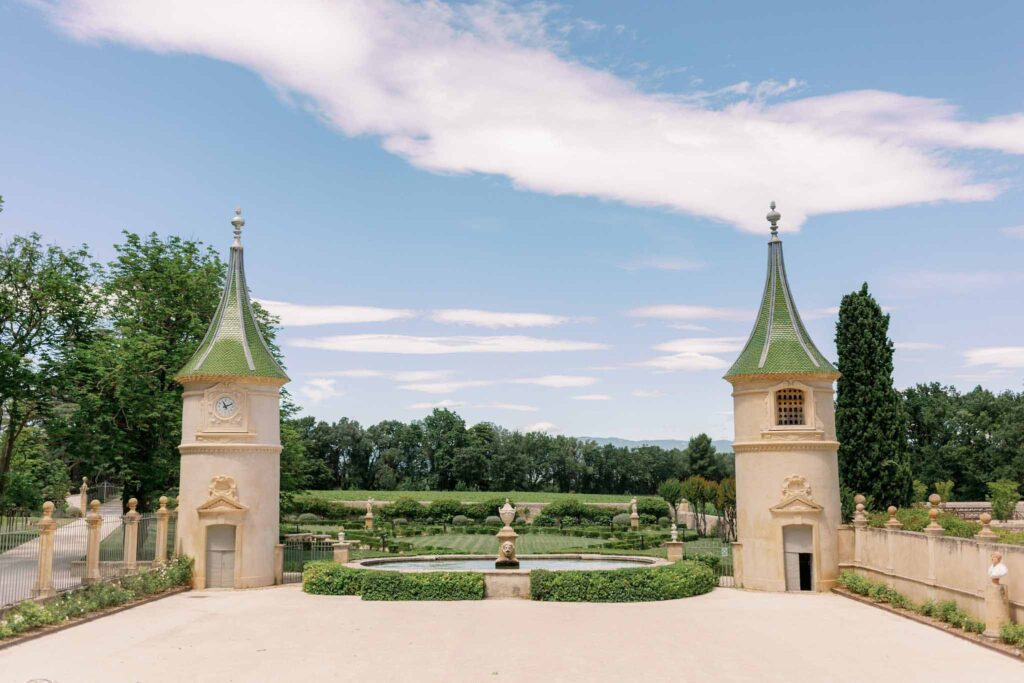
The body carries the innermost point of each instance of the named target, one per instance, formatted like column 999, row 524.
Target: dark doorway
column 805, row 571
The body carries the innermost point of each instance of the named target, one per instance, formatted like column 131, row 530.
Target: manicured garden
column 471, row 496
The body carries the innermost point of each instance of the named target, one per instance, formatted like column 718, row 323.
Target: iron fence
column 297, row 552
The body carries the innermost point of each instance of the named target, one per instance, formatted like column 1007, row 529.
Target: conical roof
column 233, row 347
column 779, row 343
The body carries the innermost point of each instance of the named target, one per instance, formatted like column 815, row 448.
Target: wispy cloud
column 434, row 80
column 468, row 316
column 543, row 427
column 687, row 312
column 517, row 407
column 703, row 345
column 689, row 327
column 818, row 313
column 592, row 397
column 663, row 264
column 997, row 356
column 558, row 381
column 915, row 346
column 301, row 315
column 1015, row 231
column 318, row 390
column 399, row 376
column 446, row 387
column 446, row 403
column 694, row 353
column 647, row 393
column 685, row 361
column 550, row 381
column 404, row 344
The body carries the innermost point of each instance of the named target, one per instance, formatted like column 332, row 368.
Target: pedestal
column 997, row 610
column 675, row 550
column 634, row 522
column 341, row 552
column 369, row 521
column 507, row 549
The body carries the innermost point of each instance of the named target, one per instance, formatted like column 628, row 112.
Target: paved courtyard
column 283, row 635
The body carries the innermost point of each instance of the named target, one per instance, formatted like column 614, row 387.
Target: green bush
column 1012, row 634
column 621, row 519
column 460, row 520
column 944, row 489
column 544, row 520
column 712, row 562
column 29, row 614
column 331, row 578
column 443, row 510
column 680, row 580
column 916, row 519
column 387, row 585
column 308, row 518
column 493, row 520
column 1004, row 496
column 484, row 509
column 655, row 507
column 406, row 507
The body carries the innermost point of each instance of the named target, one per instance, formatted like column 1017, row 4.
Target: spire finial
column 238, row 222
column 773, row 218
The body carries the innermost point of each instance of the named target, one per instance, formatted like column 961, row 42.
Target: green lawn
column 475, row 496
column 482, row 544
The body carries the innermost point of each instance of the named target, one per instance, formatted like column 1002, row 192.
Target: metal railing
column 298, row 552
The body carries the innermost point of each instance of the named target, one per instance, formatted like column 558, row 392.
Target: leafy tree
column 725, row 502
column 696, row 491
column 46, row 313
column 944, row 489
column 36, row 475
column 1004, row 495
column 671, row 491
column 870, row 422
column 701, row 455
column 444, row 434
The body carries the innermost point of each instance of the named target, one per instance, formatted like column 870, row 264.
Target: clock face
column 225, row 406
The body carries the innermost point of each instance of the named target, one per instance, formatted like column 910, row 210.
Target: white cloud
column 685, row 361
column 689, row 327
column 319, row 389
column 915, row 346
column 647, row 393
column 1015, row 231
column 400, row 376
column 818, row 313
column 558, row 381
column 685, row 312
column 518, row 407
column 664, row 264
column 397, row 343
column 692, row 345
column 468, row 316
column 544, row 427
column 446, row 403
column 446, row 387
column 300, row 315
column 490, row 88
column 592, row 397
column 998, row 356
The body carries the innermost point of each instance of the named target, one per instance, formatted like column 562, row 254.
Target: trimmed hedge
column 330, row 578
column 30, row 614
column 680, row 580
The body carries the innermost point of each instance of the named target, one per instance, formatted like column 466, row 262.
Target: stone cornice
column 211, row 447
column 783, row 445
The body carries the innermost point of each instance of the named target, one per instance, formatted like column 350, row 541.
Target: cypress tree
column 874, row 457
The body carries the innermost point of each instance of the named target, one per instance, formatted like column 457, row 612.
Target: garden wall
column 932, row 567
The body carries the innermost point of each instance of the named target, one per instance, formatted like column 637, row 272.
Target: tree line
column 88, row 352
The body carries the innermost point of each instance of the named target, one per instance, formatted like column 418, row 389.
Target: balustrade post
column 94, row 524
column 933, row 532
column 860, row 523
column 44, row 576
column 131, row 537
column 890, row 543
column 163, row 516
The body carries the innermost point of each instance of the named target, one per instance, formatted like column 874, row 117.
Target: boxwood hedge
column 330, row 578
column 680, row 580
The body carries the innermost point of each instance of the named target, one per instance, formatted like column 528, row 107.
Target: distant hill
column 722, row 446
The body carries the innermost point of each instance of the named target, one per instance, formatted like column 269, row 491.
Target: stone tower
column 787, row 477
column 231, row 444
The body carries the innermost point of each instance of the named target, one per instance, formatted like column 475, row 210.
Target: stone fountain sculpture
column 507, row 539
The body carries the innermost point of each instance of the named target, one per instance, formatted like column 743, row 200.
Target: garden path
column 282, row 634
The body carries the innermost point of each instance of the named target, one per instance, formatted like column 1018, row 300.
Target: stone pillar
column 860, row 523
column 83, row 496
column 890, row 544
column 163, row 516
column 507, row 539
column 43, row 587
column 634, row 518
column 94, row 523
column 131, row 537
column 997, row 603
column 675, row 546
column 278, row 564
column 933, row 531
column 341, row 552
column 177, row 532
column 368, row 518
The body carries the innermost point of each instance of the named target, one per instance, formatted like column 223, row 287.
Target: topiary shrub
column 398, row 521
column 484, row 509
column 331, row 578
column 308, row 518
column 655, row 507
column 443, row 511
column 664, row 521
column 680, row 580
column 1004, row 495
column 385, row 585
column 406, row 507
column 712, row 562
column 544, row 520
column 493, row 520
column 621, row 519
column 648, row 520
column 460, row 520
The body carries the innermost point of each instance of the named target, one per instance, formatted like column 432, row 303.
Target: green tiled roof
column 779, row 343
column 233, row 346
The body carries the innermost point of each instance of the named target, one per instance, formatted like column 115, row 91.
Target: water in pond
column 488, row 565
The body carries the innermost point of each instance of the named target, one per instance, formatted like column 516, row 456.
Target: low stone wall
column 933, row 567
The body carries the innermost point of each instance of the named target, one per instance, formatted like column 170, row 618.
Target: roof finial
column 773, row 218
column 238, row 222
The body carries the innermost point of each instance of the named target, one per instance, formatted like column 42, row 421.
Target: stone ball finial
column 773, row 218
column 95, row 507
column 85, row 480
column 935, row 499
column 133, row 503
column 163, row 502
column 859, row 499
column 985, row 519
column 933, row 514
column 892, row 510
column 48, row 509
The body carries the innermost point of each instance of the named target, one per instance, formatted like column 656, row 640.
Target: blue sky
column 580, row 187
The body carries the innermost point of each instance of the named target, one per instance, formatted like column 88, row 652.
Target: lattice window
column 789, row 407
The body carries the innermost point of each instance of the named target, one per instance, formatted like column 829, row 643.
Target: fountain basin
column 506, row 583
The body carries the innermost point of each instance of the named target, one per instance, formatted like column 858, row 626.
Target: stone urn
column 507, row 538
